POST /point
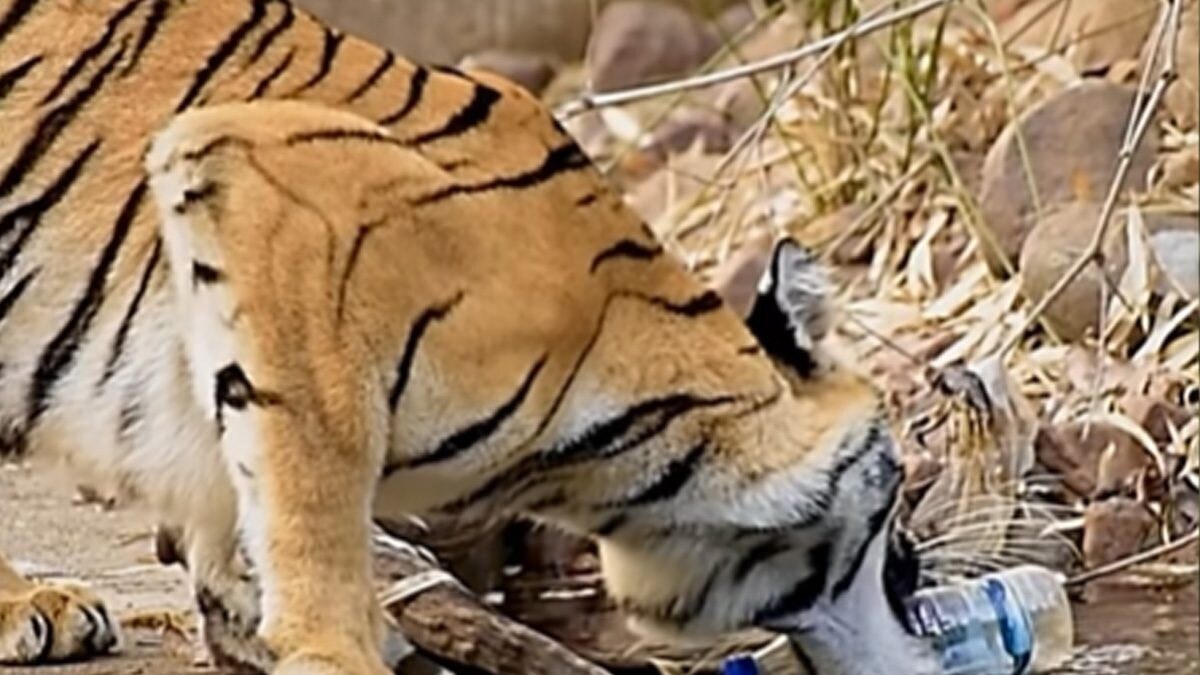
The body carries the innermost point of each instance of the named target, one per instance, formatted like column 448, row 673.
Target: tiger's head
column 782, row 291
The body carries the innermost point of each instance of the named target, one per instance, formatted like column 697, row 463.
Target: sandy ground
column 48, row 535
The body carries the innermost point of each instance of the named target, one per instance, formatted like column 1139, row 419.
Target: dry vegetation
column 1025, row 292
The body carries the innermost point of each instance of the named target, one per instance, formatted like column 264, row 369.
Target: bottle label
column 1015, row 630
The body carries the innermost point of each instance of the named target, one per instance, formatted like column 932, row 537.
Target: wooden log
column 446, row 622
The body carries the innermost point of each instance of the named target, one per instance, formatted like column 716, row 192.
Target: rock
column 1155, row 415
column 686, row 127
column 1095, row 460
column 1064, row 233
column 445, row 31
column 1176, row 246
column 1095, row 34
column 1059, row 453
column 638, row 41
column 1073, row 140
column 1051, row 247
column 532, row 71
column 1183, row 98
column 1114, row 529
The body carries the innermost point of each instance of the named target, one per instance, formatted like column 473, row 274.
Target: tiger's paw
column 55, row 622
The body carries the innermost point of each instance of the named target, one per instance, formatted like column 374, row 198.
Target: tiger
column 270, row 281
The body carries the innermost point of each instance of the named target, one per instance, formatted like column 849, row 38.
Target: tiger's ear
column 790, row 312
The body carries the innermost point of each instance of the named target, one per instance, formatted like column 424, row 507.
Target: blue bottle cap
column 742, row 664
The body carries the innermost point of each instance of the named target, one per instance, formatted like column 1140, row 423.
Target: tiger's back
column 429, row 299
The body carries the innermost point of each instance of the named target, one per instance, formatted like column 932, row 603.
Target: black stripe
column 59, row 355
column 13, row 17
column 27, row 216
column 389, row 60
column 10, row 298
column 122, row 334
column 476, row 432
column 416, row 89
column 610, row 438
column 802, row 595
column 329, row 51
column 204, row 274
column 196, row 195
column 263, row 85
column 233, row 388
column 352, row 262
column 91, row 52
column 130, row 415
column 587, row 200
column 890, row 476
column 820, row 503
column 154, row 20
column 759, row 553
column 52, row 125
column 474, row 113
column 214, row 145
column 452, row 71
column 802, row 657
column 268, row 38
column 609, row 527
column 11, row 77
column 673, row 478
column 566, row 157
column 875, row 525
column 636, row 425
column 420, row 325
column 626, row 248
column 221, row 54
column 341, row 135
column 527, row 466
column 705, row 302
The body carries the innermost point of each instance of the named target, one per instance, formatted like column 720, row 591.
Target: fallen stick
column 447, row 622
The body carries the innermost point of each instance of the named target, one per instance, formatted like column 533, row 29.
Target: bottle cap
column 741, row 664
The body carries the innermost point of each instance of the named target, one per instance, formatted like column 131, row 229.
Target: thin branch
column 1137, row 559
column 1139, row 121
column 603, row 100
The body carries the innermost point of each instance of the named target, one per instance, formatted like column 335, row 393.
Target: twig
column 604, row 100
column 1139, row 121
column 1137, row 559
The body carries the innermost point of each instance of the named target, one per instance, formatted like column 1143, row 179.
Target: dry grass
column 885, row 133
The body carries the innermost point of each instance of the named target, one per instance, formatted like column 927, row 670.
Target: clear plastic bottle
column 1009, row 623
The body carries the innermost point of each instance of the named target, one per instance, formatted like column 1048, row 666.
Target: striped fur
column 405, row 291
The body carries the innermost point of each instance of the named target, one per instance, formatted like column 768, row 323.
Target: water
column 1014, row 622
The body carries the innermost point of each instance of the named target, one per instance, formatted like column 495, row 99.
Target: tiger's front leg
column 286, row 392
column 42, row 623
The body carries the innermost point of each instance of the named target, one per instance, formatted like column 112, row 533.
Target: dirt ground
column 1127, row 629
column 47, row 534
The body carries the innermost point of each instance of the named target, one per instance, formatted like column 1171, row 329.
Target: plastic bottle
column 1009, row 623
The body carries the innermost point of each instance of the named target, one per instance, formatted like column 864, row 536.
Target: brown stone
column 1064, row 233
column 532, row 71
column 446, row 30
column 1183, row 98
column 1053, row 246
column 1095, row 34
column 1073, row 141
column 1114, row 529
column 687, row 127
column 638, row 41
